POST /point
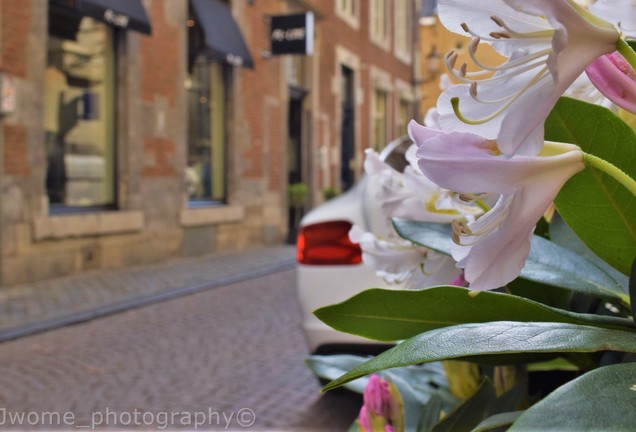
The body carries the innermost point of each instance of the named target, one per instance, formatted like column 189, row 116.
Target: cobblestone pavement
column 227, row 357
column 28, row 308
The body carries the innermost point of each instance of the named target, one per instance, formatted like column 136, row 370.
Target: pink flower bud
column 616, row 79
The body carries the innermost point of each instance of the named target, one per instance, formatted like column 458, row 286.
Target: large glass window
column 205, row 84
column 79, row 112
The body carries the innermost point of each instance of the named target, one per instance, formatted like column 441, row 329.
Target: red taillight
column 327, row 243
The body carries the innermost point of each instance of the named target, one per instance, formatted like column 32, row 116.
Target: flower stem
column 611, row 170
column 626, row 51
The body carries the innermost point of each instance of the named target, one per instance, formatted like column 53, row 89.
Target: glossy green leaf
column 497, row 421
column 548, row 263
column 562, row 234
column 472, row 411
column 432, row 235
column 632, row 288
column 390, row 315
column 601, row 400
column 493, row 339
column 551, row 264
column 598, row 209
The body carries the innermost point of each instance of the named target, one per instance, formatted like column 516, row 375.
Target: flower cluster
column 489, row 141
column 408, row 195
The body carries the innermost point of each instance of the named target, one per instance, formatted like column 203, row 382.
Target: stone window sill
column 90, row 224
column 211, row 216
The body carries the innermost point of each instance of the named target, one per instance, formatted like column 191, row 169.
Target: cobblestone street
column 213, row 354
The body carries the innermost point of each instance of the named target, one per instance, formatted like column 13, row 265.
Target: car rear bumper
column 320, row 286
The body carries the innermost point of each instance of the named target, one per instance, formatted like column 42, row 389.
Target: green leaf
column 391, row 315
column 332, row 366
column 493, row 339
column 497, row 421
column 435, row 236
column 603, row 399
column 598, row 209
column 632, row 289
column 552, row 264
column 473, row 410
column 562, row 234
column 548, row 263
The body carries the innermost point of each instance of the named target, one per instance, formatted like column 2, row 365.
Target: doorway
column 347, row 175
column 297, row 188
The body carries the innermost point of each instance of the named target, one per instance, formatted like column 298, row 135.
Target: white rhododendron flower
column 547, row 43
column 399, row 261
column 493, row 249
column 409, row 195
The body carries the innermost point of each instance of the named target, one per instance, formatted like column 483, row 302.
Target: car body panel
column 322, row 285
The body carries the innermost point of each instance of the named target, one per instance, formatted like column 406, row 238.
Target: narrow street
column 230, row 358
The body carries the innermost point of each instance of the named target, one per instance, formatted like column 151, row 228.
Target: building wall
column 340, row 43
column 153, row 220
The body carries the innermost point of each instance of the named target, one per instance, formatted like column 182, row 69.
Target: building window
column 348, row 10
column 379, row 28
column 380, row 102
column 205, row 173
column 402, row 31
column 79, row 112
column 403, row 117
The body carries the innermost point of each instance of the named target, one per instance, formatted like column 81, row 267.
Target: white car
column 330, row 268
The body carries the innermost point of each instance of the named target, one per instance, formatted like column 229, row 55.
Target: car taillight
column 327, row 243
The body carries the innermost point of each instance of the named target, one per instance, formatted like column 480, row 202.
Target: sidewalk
column 40, row 306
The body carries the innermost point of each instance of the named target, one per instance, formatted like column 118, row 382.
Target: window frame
column 403, row 34
column 109, row 106
column 379, row 12
column 218, row 86
column 349, row 12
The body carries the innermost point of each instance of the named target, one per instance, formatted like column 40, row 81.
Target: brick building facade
column 171, row 150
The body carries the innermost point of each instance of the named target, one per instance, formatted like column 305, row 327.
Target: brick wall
column 160, row 153
column 260, row 86
column 159, row 57
column 16, row 160
column 14, row 31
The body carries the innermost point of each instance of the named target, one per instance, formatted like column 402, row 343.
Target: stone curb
column 140, row 301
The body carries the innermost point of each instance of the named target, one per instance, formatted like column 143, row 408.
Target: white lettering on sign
column 234, row 60
column 116, row 19
column 289, row 34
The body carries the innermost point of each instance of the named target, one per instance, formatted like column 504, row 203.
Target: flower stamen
column 542, row 34
column 510, row 99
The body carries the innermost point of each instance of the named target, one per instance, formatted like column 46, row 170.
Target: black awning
column 223, row 37
column 127, row 14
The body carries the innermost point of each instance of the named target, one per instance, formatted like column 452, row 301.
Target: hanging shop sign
column 292, row 34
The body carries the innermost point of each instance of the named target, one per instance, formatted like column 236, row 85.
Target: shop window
column 79, row 112
column 205, row 85
column 380, row 99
